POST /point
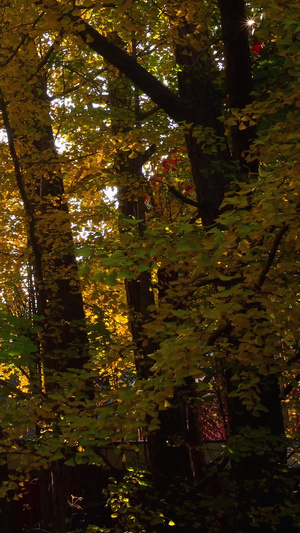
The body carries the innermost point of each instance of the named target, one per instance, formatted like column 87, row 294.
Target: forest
column 149, row 251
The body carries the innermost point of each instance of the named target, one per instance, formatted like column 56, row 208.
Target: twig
column 218, row 333
column 179, row 195
column 14, row 53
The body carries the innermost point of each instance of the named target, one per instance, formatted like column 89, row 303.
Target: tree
column 215, row 254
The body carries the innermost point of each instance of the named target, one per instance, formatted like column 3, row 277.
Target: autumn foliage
column 149, row 245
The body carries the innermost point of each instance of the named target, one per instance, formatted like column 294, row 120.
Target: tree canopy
column 149, row 243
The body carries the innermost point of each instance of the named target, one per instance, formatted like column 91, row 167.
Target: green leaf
column 183, row 247
column 144, row 268
column 70, row 462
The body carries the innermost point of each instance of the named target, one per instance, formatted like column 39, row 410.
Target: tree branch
column 294, row 359
column 15, row 51
column 142, row 115
column 288, row 389
column 183, row 198
column 174, row 106
column 272, row 254
column 26, row 201
column 218, row 333
column 65, row 93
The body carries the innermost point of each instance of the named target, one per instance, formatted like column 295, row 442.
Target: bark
column 256, row 475
column 237, row 54
column 59, row 298
column 199, row 103
column 180, row 422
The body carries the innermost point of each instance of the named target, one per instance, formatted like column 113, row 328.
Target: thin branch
column 14, row 53
column 24, row 37
column 179, row 195
column 194, row 218
column 183, row 198
column 148, row 153
column 65, row 93
column 84, row 76
column 87, row 8
column 272, row 254
column 43, row 61
column 48, row 54
column 145, row 114
column 288, row 389
column 205, row 282
column 218, row 333
column 294, row 359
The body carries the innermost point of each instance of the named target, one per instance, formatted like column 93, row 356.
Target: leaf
column 144, row 268
column 183, row 247
column 58, row 455
column 84, row 252
column 89, row 39
column 70, row 462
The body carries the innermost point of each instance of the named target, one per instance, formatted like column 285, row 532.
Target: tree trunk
column 169, row 462
column 196, row 87
column 63, row 344
column 254, row 473
column 238, row 75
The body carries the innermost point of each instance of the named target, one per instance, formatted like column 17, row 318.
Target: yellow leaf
column 89, row 39
column 133, row 155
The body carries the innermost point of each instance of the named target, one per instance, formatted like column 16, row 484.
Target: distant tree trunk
column 139, row 292
column 9, row 516
column 168, row 462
